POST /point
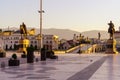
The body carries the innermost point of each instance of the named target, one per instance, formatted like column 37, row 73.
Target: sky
column 78, row 15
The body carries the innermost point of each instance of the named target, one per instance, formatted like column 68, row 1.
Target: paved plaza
column 71, row 66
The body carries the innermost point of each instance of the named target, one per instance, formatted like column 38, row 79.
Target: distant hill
column 94, row 34
column 62, row 33
column 67, row 33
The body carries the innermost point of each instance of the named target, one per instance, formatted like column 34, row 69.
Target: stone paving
column 110, row 69
column 67, row 67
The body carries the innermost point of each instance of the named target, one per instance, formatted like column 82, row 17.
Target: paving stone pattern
column 66, row 67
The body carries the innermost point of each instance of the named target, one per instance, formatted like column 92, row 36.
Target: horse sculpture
column 111, row 30
column 23, row 30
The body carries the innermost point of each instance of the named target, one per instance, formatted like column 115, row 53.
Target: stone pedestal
column 111, row 46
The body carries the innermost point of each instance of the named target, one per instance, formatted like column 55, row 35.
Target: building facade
column 50, row 42
column 117, row 37
column 11, row 41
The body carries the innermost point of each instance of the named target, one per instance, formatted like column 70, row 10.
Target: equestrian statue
column 111, row 30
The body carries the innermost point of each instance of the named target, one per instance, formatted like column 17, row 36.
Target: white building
column 11, row 40
column 50, row 42
column 117, row 37
column 1, row 44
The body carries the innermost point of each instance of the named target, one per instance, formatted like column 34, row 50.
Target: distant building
column 64, row 46
column 11, row 40
column 117, row 37
column 50, row 42
column 1, row 44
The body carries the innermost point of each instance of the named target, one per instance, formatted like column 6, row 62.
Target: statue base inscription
column 111, row 47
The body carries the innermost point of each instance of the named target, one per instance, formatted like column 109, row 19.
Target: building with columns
column 11, row 40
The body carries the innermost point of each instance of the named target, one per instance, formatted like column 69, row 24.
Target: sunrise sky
column 79, row 15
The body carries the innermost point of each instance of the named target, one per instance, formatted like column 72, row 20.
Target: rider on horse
column 111, row 29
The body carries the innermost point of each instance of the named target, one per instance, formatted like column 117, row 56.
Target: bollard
column 2, row 64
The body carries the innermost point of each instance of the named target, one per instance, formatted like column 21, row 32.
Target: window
column 31, row 41
column 50, row 41
column 35, row 42
column 16, row 41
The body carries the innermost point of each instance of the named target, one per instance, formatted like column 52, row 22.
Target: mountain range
column 68, row 34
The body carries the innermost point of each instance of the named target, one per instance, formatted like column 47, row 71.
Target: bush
column 14, row 56
column 30, row 49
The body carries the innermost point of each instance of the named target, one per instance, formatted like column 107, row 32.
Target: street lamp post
column 41, row 11
column 40, row 25
column 42, row 51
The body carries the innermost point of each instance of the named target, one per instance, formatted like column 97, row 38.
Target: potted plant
column 30, row 54
column 13, row 61
column 43, row 54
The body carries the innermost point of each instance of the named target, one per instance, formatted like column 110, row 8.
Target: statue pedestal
column 111, row 47
column 23, row 44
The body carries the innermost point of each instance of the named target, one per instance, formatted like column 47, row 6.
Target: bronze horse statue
column 23, row 30
column 111, row 29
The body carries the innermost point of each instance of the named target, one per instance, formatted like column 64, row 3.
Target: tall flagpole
column 41, row 11
column 40, row 25
column 43, row 54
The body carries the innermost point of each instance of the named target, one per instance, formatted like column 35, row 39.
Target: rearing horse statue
column 23, row 30
column 111, row 29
